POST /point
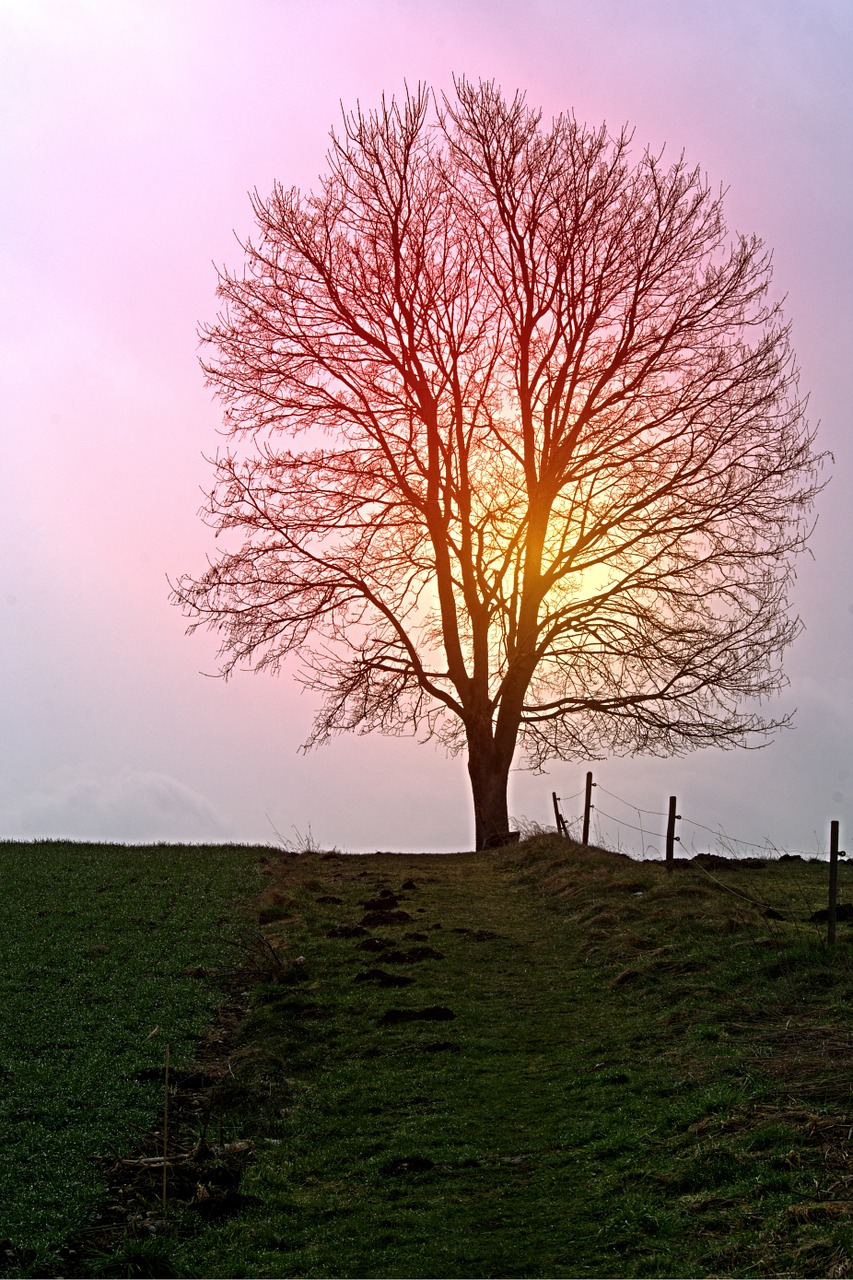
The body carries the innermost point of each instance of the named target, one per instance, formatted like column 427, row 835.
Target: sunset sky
column 132, row 133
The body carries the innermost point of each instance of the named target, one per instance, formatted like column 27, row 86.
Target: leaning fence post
column 562, row 829
column 833, row 881
column 671, row 837
column 587, row 805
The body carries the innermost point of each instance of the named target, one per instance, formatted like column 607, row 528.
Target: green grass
column 644, row 1074
column 99, row 945
column 639, row 1078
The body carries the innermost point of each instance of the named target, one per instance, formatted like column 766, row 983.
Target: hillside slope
column 544, row 1061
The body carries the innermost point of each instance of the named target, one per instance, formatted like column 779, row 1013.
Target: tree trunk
column 489, row 780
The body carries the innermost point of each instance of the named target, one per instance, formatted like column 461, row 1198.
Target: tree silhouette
column 516, row 454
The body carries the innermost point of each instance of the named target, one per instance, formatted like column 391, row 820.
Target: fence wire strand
column 653, row 813
column 620, row 822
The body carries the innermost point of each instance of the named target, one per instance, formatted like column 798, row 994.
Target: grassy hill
column 541, row 1061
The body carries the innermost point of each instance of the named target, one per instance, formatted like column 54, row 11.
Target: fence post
column 833, row 881
column 562, row 829
column 671, row 837
column 587, row 805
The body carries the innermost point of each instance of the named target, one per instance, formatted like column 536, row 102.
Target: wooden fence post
column 833, row 881
column 671, row 837
column 587, row 805
column 562, row 829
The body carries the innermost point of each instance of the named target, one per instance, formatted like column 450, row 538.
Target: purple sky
column 132, row 131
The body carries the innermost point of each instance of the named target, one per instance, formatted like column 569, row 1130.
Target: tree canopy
column 516, row 454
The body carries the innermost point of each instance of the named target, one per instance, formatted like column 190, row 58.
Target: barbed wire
column 767, row 847
column 722, row 835
column 727, row 841
column 737, row 893
column 620, row 822
column 654, row 813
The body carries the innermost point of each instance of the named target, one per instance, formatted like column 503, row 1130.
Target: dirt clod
column 375, row 919
column 435, row 1013
column 844, row 911
column 379, row 978
column 385, row 901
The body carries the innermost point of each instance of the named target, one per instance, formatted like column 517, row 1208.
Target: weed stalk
column 165, row 1122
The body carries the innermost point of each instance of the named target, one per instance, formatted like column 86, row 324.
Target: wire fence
column 654, row 845
column 610, row 831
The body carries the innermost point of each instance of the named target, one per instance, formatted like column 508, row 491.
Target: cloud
column 81, row 802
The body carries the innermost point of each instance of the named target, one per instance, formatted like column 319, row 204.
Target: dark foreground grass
column 555, row 1062
column 561, row 1064
column 99, row 946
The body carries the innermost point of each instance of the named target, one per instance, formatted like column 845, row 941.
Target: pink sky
column 131, row 133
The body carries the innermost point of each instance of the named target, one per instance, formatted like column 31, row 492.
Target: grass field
column 562, row 1063
column 99, row 945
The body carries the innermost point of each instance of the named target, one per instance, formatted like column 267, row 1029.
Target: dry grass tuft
column 820, row 1211
column 808, row 1061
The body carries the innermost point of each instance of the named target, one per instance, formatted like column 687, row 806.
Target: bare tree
column 516, row 453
